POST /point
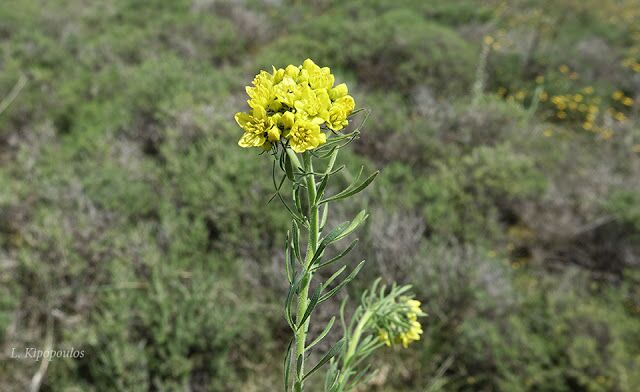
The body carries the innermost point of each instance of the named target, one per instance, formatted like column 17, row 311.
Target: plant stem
column 312, row 245
column 353, row 345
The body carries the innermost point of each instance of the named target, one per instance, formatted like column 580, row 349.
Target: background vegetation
column 132, row 227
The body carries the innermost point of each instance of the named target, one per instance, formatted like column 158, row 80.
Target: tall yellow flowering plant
column 299, row 115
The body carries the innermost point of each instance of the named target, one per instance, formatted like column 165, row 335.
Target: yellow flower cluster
column 580, row 107
column 294, row 105
column 408, row 329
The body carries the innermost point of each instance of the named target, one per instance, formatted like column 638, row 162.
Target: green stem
column 303, row 298
column 353, row 345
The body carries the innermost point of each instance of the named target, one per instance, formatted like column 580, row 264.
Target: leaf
column 352, row 189
column 293, row 214
column 311, row 306
column 288, row 168
column 296, row 199
column 331, row 237
column 293, row 288
column 338, row 257
column 334, row 276
column 361, row 217
column 332, row 160
column 321, row 188
column 324, row 333
column 346, row 280
column 287, row 365
column 295, row 231
column 335, row 349
column 323, row 218
column 287, row 260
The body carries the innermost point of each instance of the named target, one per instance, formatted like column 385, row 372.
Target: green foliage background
column 133, row 227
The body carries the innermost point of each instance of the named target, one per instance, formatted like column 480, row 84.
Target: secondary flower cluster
column 294, row 106
column 402, row 327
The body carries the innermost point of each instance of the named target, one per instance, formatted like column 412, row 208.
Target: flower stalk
column 298, row 114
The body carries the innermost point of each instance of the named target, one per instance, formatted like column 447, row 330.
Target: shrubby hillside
column 133, row 227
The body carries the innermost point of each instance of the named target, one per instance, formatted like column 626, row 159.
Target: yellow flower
column 292, row 103
column 384, row 337
column 305, row 135
column 588, row 90
column 313, row 104
column 627, row 101
column 338, row 91
column 263, row 94
column 317, row 77
column 257, row 126
column 564, row 69
column 287, row 91
column 540, row 79
column 587, row 125
column 606, row 134
column 488, row 40
column 543, row 96
column 617, row 95
column 337, row 118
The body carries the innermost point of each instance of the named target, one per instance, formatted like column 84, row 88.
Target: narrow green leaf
column 311, row 306
column 331, row 237
column 287, row 365
column 324, row 333
column 288, row 168
column 293, row 288
column 335, row 349
column 295, row 231
column 293, row 214
column 346, row 280
column 323, row 218
column 334, row 276
column 357, row 221
column 350, row 191
column 332, row 160
column 321, row 188
column 287, row 260
column 338, row 257
column 295, row 194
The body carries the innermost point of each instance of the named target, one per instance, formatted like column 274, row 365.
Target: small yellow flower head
column 540, row 79
column 564, row 69
column 305, row 135
column 294, row 106
column 402, row 326
column 257, row 125
column 627, row 101
column 313, row 105
column 384, row 337
column 543, row 96
column 617, row 95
